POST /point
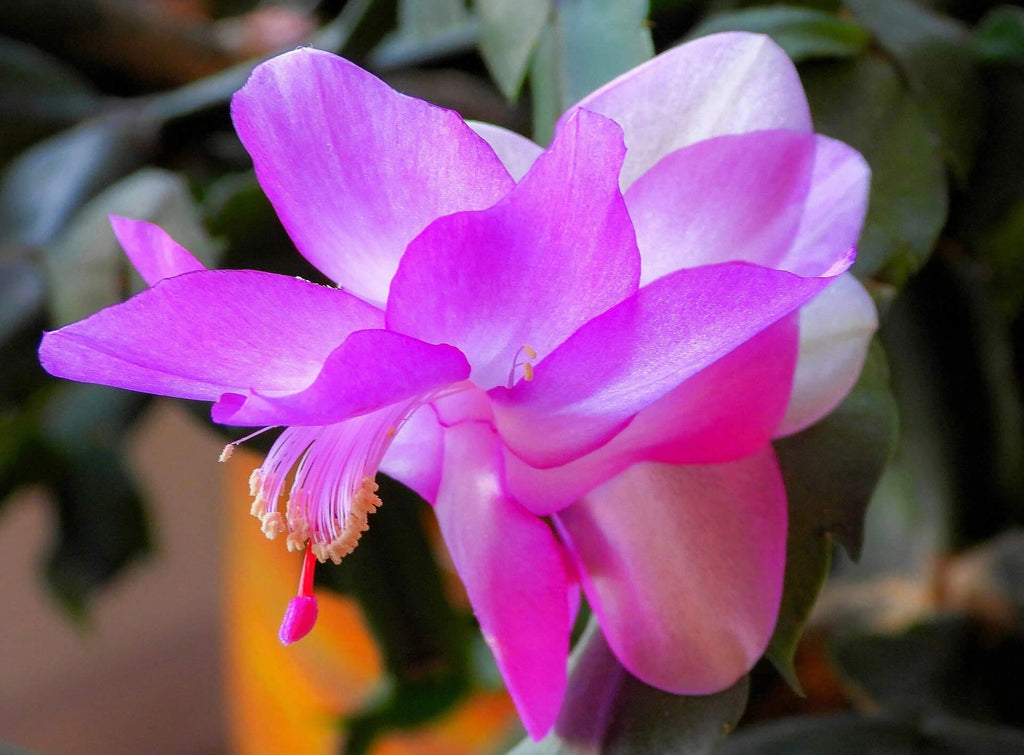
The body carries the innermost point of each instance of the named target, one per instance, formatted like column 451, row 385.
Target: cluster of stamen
column 526, row 364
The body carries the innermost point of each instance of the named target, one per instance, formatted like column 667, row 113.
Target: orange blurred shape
column 291, row 699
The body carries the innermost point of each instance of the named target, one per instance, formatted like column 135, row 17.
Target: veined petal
column 514, row 571
column 369, row 370
column 152, row 251
column 725, row 412
column 354, row 169
column 683, row 566
column 720, row 84
column 556, row 252
column 206, row 333
column 516, row 152
column 626, row 359
column 835, row 331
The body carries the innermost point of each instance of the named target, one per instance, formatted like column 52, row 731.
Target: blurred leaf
column 21, row 291
column 69, row 440
column 999, row 38
column 45, row 186
column 607, row 711
column 86, row 268
column 802, row 32
column 509, row 33
column 586, row 44
column 1000, row 248
column 427, row 30
column 934, row 54
column 960, row 406
column 863, row 103
column 38, row 95
column 830, row 470
column 424, row 642
column 855, row 734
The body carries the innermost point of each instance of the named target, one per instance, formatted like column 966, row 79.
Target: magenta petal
column 514, row 572
column 556, row 252
column 415, row 456
column 836, row 328
column 152, row 251
column 683, row 566
column 202, row 334
column 631, row 356
column 517, row 153
column 721, row 84
column 354, row 169
column 725, row 412
column 726, row 199
column 370, row 370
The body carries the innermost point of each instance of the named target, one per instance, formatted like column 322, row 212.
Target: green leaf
column 999, row 37
column 45, row 185
column 830, row 470
column 86, row 267
column 863, row 103
column 427, row 30
column 586, row 44
column 607, row 711
column 934, row 54
column 509, row 33
column 802, row 32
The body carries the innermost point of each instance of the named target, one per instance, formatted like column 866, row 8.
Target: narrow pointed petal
column 725, row 412
column 517, row 153
column 354, row 169
column 628, row 358
column 556, row 252
column 152, row 251
column 683, row 566
column 721, row 84
column 369, row 370
column 202, row 334
column 836, row 328
column 514, row 571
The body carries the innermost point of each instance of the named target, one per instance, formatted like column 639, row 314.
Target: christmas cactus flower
column 579, row 355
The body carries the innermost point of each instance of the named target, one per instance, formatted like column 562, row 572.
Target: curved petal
column 720, row 84
column 516, row 152
column 514, row 571
column 354, row 169
column 725, row 412
column 631, row 356
column 369, row 370
column 152, row 251
column 556, row 252
column 206, row 333
column 415, row 456
column 683, row 566
column 835, row 331
column 782, row 199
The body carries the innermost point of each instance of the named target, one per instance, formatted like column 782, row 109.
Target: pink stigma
column 300, row 616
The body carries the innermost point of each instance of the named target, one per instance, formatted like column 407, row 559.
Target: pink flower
column 578, row 355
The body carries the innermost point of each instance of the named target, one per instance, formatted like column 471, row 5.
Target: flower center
column 527, row 365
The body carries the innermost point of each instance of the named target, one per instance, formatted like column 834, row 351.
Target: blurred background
column 139, row 603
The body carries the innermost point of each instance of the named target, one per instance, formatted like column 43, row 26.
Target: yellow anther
column 527, row 371
column 530, row 351
column 226, row 453
column 273, row 524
